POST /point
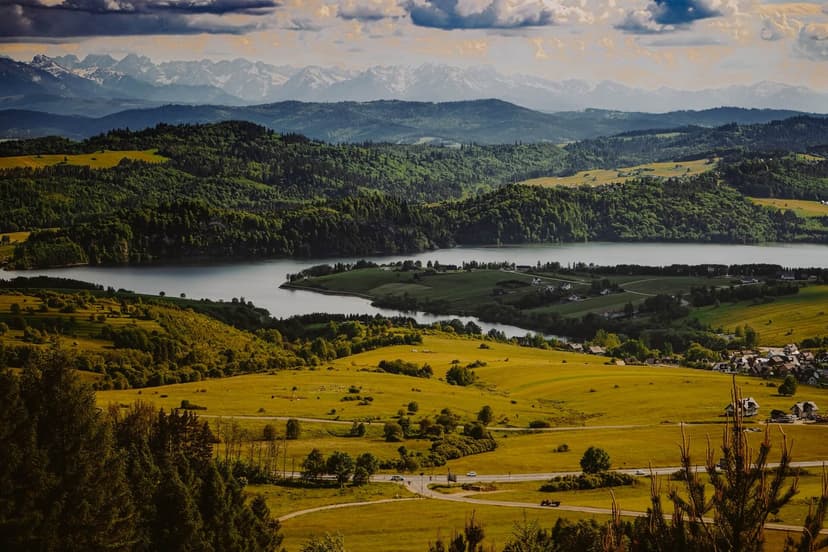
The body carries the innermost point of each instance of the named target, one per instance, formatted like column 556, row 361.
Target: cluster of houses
column 807, row 411
column 776, row 362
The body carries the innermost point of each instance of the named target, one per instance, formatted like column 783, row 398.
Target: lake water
column 259, row 281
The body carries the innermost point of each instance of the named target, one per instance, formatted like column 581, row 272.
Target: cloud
column 85, row 18
column 369, row 10
column 664, row 16
column 779, row 27
column 302, row 24
column 492, row 14
column 812, row 41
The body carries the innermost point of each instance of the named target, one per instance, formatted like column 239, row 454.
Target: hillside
column 477, row 121
column 237, row 190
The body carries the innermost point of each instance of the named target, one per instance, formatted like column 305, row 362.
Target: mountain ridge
column 65, row 84
column 490, row 121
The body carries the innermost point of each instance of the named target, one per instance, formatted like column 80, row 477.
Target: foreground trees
column 75, row 478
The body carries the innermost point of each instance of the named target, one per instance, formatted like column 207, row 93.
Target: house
column 566, row 286
column 576, row 347
column 748, row 406
column 597, row 350
column 805, row 410
column 573, row 298
column 606, row 291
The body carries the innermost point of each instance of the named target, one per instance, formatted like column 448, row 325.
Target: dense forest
column 236, row 190
column 76, row 478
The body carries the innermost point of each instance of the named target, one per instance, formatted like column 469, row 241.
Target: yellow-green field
column 801, row 207
column 786, row 320
column 637, row 497
column 13, row 240
column 631, row 411
column 98, row 160
column 286, row 499
column 410, row 525
column 599, row 177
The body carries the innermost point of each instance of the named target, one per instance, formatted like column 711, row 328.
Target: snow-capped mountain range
column 100, row 84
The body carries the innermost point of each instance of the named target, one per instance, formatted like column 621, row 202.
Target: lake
column 259, row 281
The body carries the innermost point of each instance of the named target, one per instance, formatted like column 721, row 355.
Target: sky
column 688, row 44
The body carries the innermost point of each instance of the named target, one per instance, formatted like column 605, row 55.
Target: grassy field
column 600, row 177
column 85, row 322
column 466, row 292
column 520, row 384
column 637, row 497
column 409, row 526
column 785, row 320
column 14, row 239
column 632, row 412
column 97, row 160
column 284, row 499
column 801, row 207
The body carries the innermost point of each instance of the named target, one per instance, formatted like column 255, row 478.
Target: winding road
column 417, row 484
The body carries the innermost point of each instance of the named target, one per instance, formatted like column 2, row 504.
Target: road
column 419, row 485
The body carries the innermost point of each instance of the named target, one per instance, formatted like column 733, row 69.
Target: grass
column 520, row 384
column 97, row 160
column 801, row 207
column 600, row 177
column 284, row 499
column 14, row 239
column 787, row 319
column 637, row 497
column 409, row 526
column 467, row 292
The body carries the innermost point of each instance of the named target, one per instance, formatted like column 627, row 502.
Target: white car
column 640, row 472
column 471, row 474
column 397, row 478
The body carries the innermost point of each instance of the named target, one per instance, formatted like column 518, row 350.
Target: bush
column 187, row 405
column 587, row 481
column 539, row 424
column 562, row 448
column 293, row 429
column 595, row 460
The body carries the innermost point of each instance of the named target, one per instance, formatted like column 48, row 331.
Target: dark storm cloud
column 661, row 16
column 84, row 18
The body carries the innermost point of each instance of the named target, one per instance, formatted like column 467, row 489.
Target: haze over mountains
column 100, row 84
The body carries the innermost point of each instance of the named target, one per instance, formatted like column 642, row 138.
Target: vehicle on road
column 550, row 503
column 397, row 478
column 640, row 472
column 471, row 474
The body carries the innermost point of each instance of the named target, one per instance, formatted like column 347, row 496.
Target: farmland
column 784, row 320
column 632, row 412
column 803, row 208
column 600, row 177
column 99, row 160
column 471, row 292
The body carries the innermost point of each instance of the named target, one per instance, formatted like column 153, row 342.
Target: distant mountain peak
column 241, row 81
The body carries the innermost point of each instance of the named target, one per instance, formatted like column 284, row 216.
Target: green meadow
column 466, row 292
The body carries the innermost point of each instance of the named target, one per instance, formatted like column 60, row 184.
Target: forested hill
column 797, row 134
column 477, row 121
column 237, row 158
column 236, row 190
